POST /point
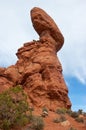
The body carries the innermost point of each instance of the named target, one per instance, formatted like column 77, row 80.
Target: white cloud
column 72, row 54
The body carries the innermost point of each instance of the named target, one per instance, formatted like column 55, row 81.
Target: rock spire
column 38, row 68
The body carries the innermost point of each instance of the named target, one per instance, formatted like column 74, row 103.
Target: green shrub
column 79, row 119
column 30, row 114
column 5, row 125
column 37, row 123
column 61, row 111
column 74, row 114
column 13, row 108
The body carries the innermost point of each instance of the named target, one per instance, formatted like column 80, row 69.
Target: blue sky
column 70, row 16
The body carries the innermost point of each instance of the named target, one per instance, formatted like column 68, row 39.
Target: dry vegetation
column 16, row 114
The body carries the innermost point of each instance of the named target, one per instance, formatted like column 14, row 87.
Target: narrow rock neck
column 46, row 36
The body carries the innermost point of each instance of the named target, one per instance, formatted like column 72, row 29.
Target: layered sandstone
column 38, row 68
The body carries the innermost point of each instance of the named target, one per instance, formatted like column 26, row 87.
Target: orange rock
column 38, row 68
column 46, row 27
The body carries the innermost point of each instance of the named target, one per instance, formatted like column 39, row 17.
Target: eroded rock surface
column 38, row 68
column 46, row 27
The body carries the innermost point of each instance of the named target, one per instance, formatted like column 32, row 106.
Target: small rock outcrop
column 38, row 68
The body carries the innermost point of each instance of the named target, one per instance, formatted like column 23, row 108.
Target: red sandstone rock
column 12, row 74
column 45, row 26
column 38, row 68
column 5, row 84
column 42, row 76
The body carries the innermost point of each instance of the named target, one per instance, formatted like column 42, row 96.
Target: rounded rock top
column 43, row 22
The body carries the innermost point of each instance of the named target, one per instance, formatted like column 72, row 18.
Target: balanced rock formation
column 38, row 68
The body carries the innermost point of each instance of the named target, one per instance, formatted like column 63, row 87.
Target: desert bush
column 56, row 120
column 69, row 112
column 44, row 112
column 79, row 119
column 61, row 111
column 30, row 114
column 13, row 107
column 72, row 128
column 37, row 123
column 61, row 119
column 44, row 109
column 80, row 111
column 74, row 114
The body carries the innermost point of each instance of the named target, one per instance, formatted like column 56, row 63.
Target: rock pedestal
column 38, row 68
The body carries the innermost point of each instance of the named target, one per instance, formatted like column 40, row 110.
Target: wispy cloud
column 72, row 54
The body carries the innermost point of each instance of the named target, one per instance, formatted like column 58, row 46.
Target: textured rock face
column 38, row 68
column 46, row 27
column 42, row 75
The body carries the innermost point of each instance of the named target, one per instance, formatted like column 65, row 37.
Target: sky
column 70, row 16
